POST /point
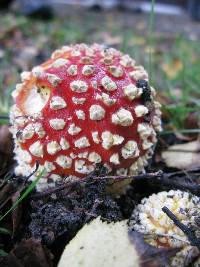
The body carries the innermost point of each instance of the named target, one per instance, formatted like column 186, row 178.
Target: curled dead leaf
column 183, row 156
column 173, row 68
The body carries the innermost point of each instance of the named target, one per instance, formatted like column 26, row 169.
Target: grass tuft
column 25, row 194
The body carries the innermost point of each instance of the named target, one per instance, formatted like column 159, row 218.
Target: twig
column 186, row 131
column 57, row 189
column 93, row 179
column 33, row 172
column 4, row 117
column 194, row 241
column 156, row 177
column 91, row 213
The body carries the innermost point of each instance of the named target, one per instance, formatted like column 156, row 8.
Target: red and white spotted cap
column 85, row 105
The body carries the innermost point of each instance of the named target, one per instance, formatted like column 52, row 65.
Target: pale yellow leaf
column 183, row 156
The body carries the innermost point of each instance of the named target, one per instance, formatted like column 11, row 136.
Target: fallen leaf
column 182, row 137
column 183, row 156
column 141, row 25
column 95, row 245
column 137, row 40
column 109, row 39
column 192, row 120
column 5, row 140
column 28, row 253
column 173, row 68
column 150, row 49
column 17, row 213
column 151, row 256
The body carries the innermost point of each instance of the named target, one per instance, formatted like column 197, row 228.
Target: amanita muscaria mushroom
column 148, row 218
column 85, row 105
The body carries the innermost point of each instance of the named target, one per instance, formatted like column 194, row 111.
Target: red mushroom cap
column 85, row 105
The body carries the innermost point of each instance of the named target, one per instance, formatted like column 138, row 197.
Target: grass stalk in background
column 3, row 253
column 24, row 195
column 151, row 37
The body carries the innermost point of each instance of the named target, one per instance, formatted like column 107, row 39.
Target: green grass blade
column 4, row 231
column 24, row 195
column 186, row 131
column 3, row 253
column 150, row 38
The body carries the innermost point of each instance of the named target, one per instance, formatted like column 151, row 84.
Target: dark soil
column 45, row 222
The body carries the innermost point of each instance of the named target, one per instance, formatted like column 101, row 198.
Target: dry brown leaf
column 137, row 40
column 29, row 252
column 173, row 68
column 183, row 156
column 109, row 39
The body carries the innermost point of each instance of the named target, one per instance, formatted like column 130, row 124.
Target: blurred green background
column 170, row 48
